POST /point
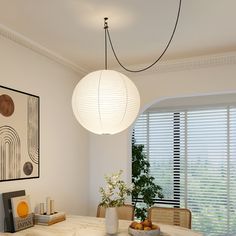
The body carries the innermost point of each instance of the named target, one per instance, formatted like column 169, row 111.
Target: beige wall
column 114, row 153
column 63, row 143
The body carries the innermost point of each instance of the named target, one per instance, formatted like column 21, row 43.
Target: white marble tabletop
column 92, row 226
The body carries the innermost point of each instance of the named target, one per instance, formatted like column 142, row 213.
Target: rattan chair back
column 125, row 212
column 172, row 216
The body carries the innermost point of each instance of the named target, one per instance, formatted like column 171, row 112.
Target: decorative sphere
column 105, row 102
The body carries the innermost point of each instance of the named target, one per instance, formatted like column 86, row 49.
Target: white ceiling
column 140, row 29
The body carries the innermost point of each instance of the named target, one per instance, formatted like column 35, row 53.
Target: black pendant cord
column 158, row 59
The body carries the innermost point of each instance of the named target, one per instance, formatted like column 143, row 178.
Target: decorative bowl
column 136, row 232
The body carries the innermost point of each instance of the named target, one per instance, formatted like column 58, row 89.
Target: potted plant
column 113, row 195
column 145, row 187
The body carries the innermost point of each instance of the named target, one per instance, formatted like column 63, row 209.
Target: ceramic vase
column 111, row 220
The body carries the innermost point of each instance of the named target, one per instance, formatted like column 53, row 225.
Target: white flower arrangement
column 115, row 192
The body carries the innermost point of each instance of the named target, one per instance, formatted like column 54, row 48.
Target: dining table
column 75, row 225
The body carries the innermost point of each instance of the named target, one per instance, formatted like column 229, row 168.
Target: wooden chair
column 172, row 216
column 125, row 212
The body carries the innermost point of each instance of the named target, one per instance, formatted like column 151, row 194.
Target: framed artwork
column 19, row 135
column 22, row 213
column 6, row 197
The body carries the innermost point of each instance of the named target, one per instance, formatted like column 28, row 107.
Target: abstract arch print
column 19, row 135
column 33, row 142
column 10, row 158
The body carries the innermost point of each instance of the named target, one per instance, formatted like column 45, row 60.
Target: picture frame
column 22, row 214
column 19, row 135
column 6, row 198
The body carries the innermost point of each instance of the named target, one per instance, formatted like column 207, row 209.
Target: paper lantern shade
column 105, row 102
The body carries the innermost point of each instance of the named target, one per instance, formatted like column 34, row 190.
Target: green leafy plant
column 115, row 192
column 145, row 187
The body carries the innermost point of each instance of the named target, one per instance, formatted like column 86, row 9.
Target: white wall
column 63, row 142
column 107, row 155
column 114, row 153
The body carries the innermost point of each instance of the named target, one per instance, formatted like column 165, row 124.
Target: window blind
column 192, row 156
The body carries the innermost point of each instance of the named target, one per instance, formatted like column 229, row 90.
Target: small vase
column 111, row 220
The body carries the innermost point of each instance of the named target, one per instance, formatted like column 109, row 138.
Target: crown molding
column 199, row 62
column 185, row 64
column 29, row 44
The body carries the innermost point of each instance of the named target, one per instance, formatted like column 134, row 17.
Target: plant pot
column 111, row 220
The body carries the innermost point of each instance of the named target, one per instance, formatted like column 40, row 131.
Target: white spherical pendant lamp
column 105, row 102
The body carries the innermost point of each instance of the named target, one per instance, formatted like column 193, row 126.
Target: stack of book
column 49, row 219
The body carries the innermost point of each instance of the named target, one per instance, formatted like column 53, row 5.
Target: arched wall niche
column 207, row 99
